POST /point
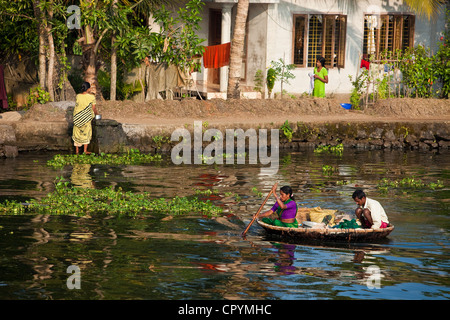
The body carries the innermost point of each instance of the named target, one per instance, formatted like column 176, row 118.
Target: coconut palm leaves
column 428, row 8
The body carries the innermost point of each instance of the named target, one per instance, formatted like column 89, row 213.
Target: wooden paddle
column 260, row 208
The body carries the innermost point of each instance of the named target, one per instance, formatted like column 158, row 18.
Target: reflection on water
column 80, row 176
column 163, row 257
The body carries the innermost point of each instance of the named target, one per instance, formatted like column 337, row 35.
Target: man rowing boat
column 285, row 208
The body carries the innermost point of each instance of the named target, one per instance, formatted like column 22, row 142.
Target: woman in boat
column 285, row 208
column 83, row 113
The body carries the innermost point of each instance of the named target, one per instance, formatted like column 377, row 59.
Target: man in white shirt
column 369, row 211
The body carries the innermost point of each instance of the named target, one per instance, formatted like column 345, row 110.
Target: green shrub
column 287, row 130
column 271, row 78
column 37, row 95
column 418, row 69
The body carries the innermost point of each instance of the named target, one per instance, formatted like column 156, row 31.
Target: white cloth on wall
column 311, row 82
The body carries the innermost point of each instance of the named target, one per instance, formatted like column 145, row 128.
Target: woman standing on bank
column 83, row 114
column 320, row 78
column 285, row 207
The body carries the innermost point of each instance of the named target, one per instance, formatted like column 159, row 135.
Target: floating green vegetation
column 224, row 156
column 329, row 170
column 132, row 157
column 67, row 200
column 338, row 149
column 256, row 192
column 408, row 183
column 206, row 192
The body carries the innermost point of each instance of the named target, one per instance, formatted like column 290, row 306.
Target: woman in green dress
column 320, row 78
column 285, row 208
column 83, row 114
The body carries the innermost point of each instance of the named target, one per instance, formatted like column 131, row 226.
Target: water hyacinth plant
column 68, row 200
column 329, row 170
column 408, row 184
column 132, row 157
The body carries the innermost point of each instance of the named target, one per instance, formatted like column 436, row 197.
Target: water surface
column 196, row 257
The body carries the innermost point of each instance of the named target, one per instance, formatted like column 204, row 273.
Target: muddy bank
column 392, row 123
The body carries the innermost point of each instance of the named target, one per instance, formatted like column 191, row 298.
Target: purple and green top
column 288, row 213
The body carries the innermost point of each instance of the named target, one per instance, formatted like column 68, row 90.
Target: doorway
column 214, row 38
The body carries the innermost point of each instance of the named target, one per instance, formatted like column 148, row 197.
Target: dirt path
column 267, row 111
column 242, row 118
column 255, row 112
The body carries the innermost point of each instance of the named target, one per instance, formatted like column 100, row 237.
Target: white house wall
column 279, row 36
column 270, row 35
column 256, row 40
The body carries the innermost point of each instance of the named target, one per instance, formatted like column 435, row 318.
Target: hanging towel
column 217, row 56
column 3, row 96
column 365, row 64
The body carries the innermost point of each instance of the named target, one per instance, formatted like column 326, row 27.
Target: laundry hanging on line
column 217, row 56
column 365, row 64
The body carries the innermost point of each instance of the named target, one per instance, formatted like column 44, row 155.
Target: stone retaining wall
column 8, row 143
column 113, row 137
column 372, row 135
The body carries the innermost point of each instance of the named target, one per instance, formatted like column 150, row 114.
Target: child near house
column 320, row 78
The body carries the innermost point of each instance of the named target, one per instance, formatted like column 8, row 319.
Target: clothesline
column 388, row 66
column 366, row 64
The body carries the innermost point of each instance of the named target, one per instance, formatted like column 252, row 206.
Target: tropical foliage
column 443, row 59
column 109, row 31
column 428, row 8
column 282, row 72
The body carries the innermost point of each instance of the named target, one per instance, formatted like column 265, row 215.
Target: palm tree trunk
column 113, row 84
column 90, row 63
column 237, row 48
column 51, row 56
column 41, row 32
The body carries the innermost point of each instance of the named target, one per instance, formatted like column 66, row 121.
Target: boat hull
column 327, row 234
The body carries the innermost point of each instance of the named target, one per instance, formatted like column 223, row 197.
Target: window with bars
column 319, row 35
column 387, row 33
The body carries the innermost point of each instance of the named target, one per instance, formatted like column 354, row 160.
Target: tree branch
column 99, row 39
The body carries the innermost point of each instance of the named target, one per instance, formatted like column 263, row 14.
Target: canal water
column 198, row 257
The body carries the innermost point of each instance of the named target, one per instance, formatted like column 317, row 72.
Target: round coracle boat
column 327, row 233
